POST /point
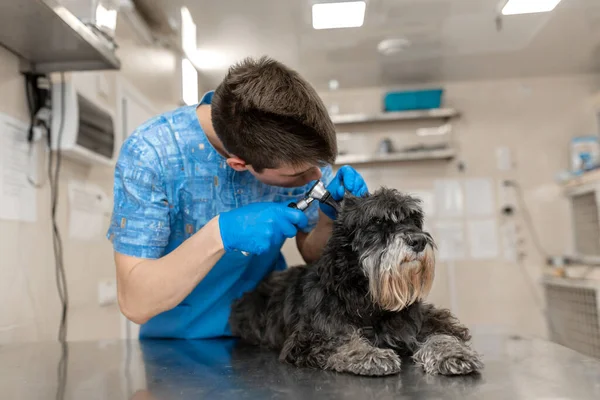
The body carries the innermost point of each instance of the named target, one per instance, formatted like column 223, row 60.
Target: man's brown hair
column 269, row 116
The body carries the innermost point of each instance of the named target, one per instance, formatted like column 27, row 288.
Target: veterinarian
column 201, row 194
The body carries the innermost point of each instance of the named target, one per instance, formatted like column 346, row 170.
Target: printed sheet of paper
column 483, row 239
column 450, row 240
column 89, row 206
column 449, row 200
column 479, row 197
column 18, row 198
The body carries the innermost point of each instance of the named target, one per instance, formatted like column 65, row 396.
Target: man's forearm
column 311, row 245
column 149, row 287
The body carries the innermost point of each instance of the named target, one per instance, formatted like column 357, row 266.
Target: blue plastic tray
column 413, row 100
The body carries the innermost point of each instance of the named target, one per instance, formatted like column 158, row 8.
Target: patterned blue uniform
column 169, row 182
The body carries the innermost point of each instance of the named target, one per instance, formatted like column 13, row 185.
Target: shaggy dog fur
column 360, row 307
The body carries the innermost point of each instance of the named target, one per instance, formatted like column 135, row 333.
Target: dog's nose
column 418, row 244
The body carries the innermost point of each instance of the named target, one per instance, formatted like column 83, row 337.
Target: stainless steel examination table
column 516, row 368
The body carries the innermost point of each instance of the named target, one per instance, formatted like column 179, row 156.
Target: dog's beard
column 397, row 275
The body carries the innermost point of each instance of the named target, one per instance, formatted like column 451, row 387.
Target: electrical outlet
column 107, row 292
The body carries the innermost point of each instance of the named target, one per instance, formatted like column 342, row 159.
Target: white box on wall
column 83, row 128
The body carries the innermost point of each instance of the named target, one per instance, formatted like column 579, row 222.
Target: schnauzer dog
column 360, row 307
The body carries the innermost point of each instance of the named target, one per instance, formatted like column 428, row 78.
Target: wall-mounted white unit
column 84, row 130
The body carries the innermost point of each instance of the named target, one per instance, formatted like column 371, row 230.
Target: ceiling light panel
column 514, row 7
column 349, row 14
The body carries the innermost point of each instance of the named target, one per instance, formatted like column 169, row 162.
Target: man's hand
column 258, row 227
column 346, row 179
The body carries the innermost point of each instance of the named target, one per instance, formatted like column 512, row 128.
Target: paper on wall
column 18, row 198
column 483, row 239
column 89, row 206
column 479, row 197
column 448, row 196
column 450, row 240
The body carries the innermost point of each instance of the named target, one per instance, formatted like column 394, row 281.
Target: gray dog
column 360, row 308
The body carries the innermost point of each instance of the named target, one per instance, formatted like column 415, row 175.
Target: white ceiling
column 450, row 40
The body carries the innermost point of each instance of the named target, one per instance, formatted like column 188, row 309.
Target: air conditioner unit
column 84, row 130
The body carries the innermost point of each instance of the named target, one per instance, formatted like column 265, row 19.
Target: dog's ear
column 350, row 205
column 349, row 200
column 349, row 195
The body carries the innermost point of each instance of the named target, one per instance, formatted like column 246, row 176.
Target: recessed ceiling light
column 106, row 18
column 188, row 33
column 334, row 84
column 514, row 7
column 387, row 47
column 210, row 60
column 189, row 82
column 350, row 14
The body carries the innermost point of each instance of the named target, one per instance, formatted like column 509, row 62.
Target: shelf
column 446, row 154
column 51, row 39
column 583, row 180
column 435, row 113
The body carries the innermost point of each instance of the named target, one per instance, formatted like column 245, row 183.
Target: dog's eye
column 377, row 221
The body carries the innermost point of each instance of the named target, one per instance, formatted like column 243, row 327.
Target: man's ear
column 237, row 163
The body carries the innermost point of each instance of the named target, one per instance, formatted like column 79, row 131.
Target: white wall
column 30, row 306
column 535, row 118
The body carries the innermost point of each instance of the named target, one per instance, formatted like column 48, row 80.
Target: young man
column 201, row 194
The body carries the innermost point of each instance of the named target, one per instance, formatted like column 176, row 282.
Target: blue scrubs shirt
column 169, row 182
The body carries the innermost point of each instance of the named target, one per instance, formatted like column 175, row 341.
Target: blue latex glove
column 346, row 179
column 258, row 227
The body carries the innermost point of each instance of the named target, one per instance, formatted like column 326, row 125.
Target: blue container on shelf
column 413, row 100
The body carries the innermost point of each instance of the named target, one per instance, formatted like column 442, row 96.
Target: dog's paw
column 459, row 364
column 446, row 355
column 368, row 362
column 377, row 362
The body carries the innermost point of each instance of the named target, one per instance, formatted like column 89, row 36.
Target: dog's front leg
column 351, row 353
column 447, row 355
column 443, row 347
